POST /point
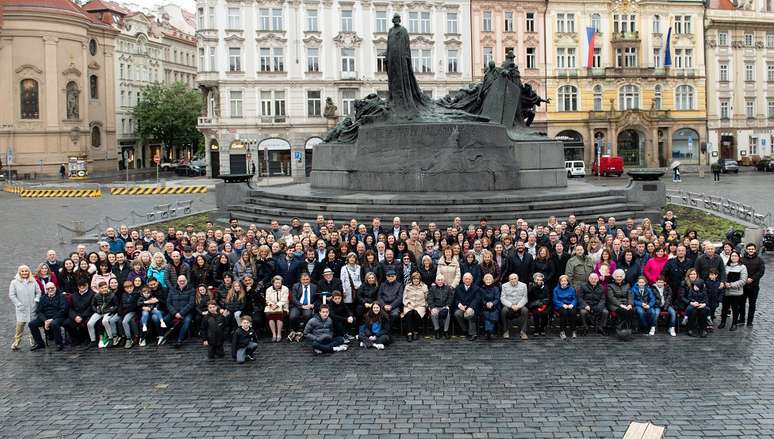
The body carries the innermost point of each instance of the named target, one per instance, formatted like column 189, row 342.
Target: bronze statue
column 406, row 99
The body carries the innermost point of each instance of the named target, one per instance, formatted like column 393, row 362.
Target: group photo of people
column 339, row 286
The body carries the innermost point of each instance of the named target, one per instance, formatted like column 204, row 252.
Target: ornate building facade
column 57, row 67
column 740, row 77
column 148, row 50
column 500, row 26
column 624, row 98
column 269, row 67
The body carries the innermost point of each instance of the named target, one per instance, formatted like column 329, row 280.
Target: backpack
column 623, row 331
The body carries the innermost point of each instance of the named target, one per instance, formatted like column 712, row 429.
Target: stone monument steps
column 263, row 215
column 407, row 207
column 304, row 194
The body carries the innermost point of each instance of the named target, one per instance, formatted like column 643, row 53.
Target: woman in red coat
column 655, row 265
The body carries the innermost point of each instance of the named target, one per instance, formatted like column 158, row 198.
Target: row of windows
column 272, row 107
column 749, row 108
column 273, row 60
column 748, row 39
column 625, row 57
column 508, row 21
column 138, row 73
column 270, row 19
column 624, row 23
column 29, row 98
column 749, row 71
column 628, row 98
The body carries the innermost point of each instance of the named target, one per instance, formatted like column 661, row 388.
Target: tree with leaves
column 169, row 114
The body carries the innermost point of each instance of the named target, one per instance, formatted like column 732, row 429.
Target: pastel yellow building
column 623, row 98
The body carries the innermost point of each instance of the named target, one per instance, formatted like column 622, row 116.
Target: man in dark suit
column 376, row 228
column 302, row 302
column 521, row 262
column 396, row 227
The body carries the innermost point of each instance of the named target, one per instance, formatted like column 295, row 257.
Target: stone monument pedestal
column 438, row 157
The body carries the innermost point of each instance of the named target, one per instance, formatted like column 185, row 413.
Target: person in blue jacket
column 467, row 298
column 645, row 305
column 490, row 304
column 565, row 302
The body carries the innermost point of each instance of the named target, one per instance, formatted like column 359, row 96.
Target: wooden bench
column 639, row 430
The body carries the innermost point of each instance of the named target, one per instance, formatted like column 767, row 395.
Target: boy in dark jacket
column 698, row 309
column 714, row 293
column 319, row 332
column 49, row 314
column 79, row 313
column 537, row 303
column 127, row 310
column 245, row 342
column 103, row 307
column 213, row 330
column 343, row 321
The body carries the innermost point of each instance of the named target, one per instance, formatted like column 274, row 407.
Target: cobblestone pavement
column 592, row 387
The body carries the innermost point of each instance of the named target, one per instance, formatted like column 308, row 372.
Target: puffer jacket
column 104, row 304
column 564, row 296
column 180, row 301
column 617, row 295
column 736, row 278
column 317, row 329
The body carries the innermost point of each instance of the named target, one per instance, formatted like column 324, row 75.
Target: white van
column 575, row 168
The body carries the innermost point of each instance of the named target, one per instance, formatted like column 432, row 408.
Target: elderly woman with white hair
column 620, row 299
column 24, row 293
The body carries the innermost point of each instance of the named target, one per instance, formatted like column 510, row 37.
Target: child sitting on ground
column 245, row 342
column 319, row 332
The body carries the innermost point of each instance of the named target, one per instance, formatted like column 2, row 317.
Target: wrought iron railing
column 718, row 204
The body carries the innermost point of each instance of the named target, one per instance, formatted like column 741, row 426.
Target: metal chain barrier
column 160, row 212
column 719, row 204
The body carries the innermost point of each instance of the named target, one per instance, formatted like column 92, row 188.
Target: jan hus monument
column 470, row 154
column 475, row 139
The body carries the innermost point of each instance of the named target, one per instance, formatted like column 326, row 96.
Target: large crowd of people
column 357, row 284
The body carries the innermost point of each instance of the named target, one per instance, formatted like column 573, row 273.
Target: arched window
column 568, row 98
column 596, row 22
column 96, row 137
column 93, row 89
column 629, row 97
column 597, row 98
column 684, row 97
column 657, row 98
column 29, row 99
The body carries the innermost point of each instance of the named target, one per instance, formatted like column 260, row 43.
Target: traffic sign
column 157, row 159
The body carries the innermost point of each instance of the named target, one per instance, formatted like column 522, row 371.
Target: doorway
column 629, row 147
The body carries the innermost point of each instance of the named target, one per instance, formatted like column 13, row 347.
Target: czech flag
column 668, row 49
column 591, row 41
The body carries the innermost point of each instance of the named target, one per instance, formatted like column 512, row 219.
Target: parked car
column 190, row 170
column 575, row 168
column 765, row 165
column 728, row 165
column 608, row 165
column 169, row 166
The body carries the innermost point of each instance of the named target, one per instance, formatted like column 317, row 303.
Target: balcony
column 207, row 122
column 597, row 72
column 626, row 36
column 567, row 73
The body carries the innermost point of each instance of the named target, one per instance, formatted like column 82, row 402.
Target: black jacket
column 180, row 301
column 523, row 266
column 755, row 268
column 128, row 303
column 241, row 339
column 339, row 312
column 367, row 294
column 81, row 305
column 439, row 297
column 51, row 307
column 592, row 296
column 674, row 272
column 537, row 296
column 212, row 328
column 104, row 304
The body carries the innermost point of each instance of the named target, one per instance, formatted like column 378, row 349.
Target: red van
column 608, row 165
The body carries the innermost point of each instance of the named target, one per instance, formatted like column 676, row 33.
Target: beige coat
column 415, row 298
column 24, row 295
column 277, row 297
column 450, row 272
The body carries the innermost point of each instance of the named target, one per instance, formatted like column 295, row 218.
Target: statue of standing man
column 405, row 96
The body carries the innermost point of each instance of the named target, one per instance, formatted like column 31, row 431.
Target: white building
column 266, row 69
column 146, row 51
column 740, row 79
